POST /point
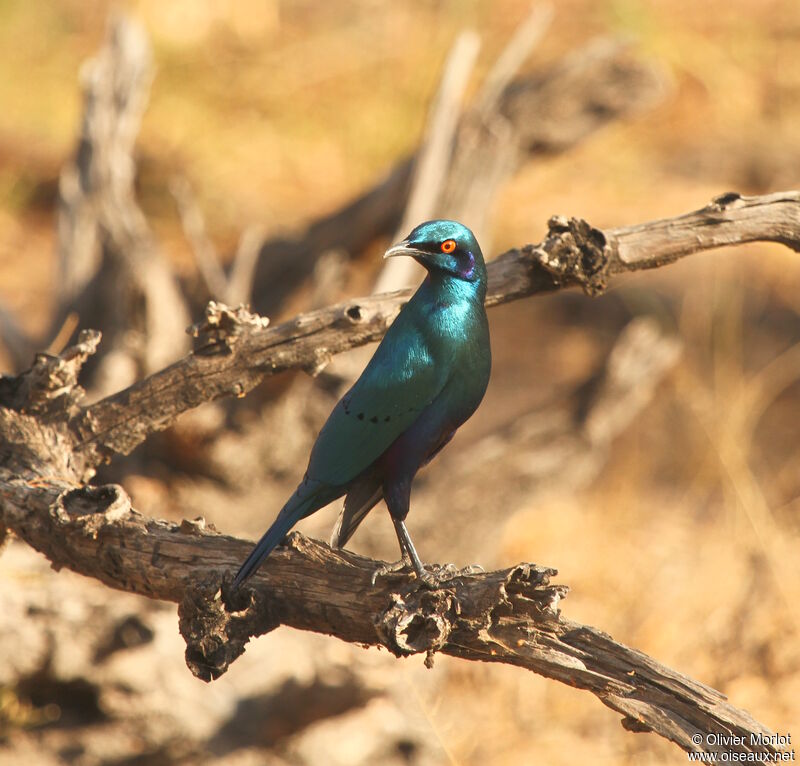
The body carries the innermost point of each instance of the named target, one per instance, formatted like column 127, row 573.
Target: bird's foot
column 433, row 576
column 393, row 569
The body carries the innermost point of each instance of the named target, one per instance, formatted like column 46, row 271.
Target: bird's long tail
column 299, row 505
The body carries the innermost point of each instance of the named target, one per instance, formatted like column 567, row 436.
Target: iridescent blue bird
column 426, row 378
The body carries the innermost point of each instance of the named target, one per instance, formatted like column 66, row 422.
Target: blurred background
column 644, row 443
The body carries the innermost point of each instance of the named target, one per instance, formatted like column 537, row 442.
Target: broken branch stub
column 222, row 326
column 49, row 388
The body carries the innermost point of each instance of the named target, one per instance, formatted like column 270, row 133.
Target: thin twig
column 430, row 169
column 194, row 227
column 487, row 146
column 242, row 273
column 526, row 37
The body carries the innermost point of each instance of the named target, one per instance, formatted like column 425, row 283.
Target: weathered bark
column 508, row 616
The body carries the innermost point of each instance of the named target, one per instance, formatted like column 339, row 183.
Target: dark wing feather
column 361, row 498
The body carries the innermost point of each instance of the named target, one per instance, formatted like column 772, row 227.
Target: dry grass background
column 687, row 545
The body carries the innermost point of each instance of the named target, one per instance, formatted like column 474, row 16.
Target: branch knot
column 419, row 621
column 574, row 252
column 221, row 327
column 92, row 507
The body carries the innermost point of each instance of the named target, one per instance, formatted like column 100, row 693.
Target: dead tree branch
column 483, row 144
column 50, row 445
column 507, row 616
column 205, row 254
column 235, row 350
column 111, row 271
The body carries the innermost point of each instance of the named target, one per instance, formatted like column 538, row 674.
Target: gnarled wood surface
column 508, row 616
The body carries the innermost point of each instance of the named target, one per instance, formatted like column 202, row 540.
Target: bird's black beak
column 404, row 248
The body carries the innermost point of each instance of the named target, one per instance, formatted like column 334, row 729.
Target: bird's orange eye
column 448, row 246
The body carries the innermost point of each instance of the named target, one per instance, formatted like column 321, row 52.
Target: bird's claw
column 394, row 568
column 470, row 569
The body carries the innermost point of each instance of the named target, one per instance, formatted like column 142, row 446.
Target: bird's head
column 445, row 247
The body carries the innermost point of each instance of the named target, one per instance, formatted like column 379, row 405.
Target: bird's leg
column 425, row 577
column 433, row 579
column 405, row 562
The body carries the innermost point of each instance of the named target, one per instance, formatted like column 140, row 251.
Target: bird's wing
column 362, row 496
column 399, row 382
